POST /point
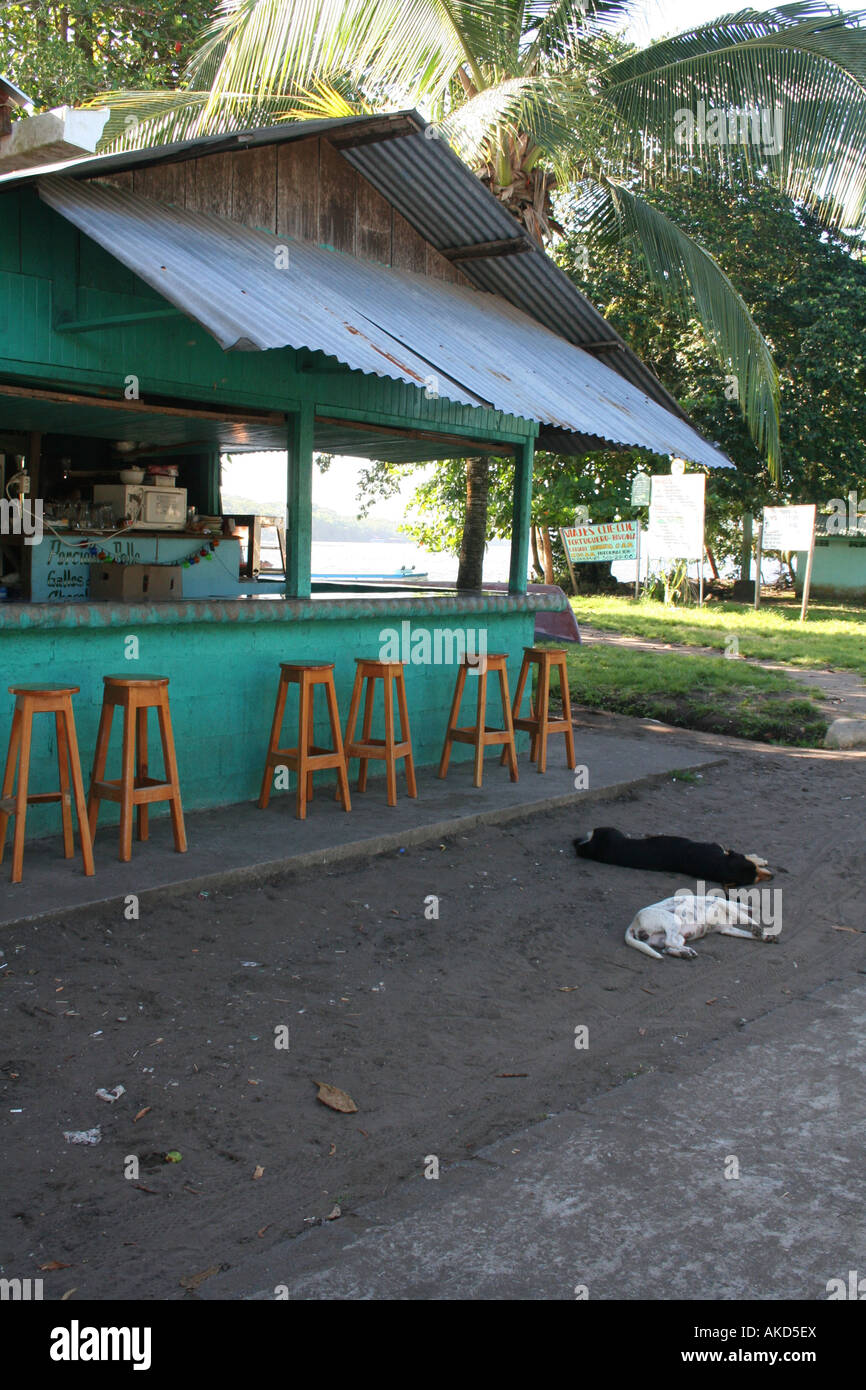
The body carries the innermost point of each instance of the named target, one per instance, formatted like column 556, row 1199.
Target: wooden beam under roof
column 388, row 128
column 482, row 250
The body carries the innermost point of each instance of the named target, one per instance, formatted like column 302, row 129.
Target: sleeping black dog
column 673, row 854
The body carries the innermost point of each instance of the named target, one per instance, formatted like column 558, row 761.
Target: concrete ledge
column 241, row 844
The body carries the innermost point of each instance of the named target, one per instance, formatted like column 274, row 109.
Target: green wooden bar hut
column 346, row 286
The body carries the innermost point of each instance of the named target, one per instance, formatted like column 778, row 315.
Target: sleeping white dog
column 670, row 924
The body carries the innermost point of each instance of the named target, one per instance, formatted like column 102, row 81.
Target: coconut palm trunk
column 471, row 569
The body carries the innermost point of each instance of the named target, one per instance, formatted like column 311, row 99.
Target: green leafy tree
column 62, row 54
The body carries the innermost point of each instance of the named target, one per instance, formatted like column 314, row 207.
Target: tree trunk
column 537, row 567
column 713, row 566
column 471, row 569
column 548, row 554
column 746, row 549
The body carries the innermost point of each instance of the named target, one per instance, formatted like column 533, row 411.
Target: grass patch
column 833, row 635
column 696, row 692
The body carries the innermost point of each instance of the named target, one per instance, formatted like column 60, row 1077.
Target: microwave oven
column 148, row 508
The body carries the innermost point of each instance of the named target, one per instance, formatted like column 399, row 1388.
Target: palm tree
column 546, row 101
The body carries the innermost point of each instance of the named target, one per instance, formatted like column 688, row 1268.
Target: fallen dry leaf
column 141, row 1114
column 567, row 989
column 332, row 1150
column 192, row 1281
column 512, row 1073
column 334, row 1213
column 858, row 930
column 55, row 1264
column 262, row 1231
column 68, row 1294
column 259, row 1173
column 334, row 1098
column 711, row 1001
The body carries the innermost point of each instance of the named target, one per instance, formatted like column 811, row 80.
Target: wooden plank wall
column 302, row 189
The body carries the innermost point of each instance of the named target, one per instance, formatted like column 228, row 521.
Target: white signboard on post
column 788, row 528
column 676, row 517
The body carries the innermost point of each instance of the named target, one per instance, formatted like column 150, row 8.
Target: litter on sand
column 111, row 1096
column 83, row 1136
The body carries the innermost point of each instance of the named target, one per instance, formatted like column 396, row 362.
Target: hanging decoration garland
column 195, row 557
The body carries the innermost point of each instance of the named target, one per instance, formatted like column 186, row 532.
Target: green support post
column 299, row 499
column 520, row 514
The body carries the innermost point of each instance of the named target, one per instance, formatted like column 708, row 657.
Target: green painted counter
column 222, row 657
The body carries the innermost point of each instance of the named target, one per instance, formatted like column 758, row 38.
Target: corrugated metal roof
column 441, row 198
column 465, row 346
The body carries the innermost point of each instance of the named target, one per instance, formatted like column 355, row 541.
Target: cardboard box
column 135, row 583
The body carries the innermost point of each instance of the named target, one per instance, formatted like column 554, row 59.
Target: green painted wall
column 838, row 569
column 223, row 685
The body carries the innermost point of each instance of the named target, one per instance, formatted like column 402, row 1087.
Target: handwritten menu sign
column 617, row 540
column 61, row 568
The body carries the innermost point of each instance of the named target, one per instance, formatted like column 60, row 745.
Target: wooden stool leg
column 63, row 768
column 353, row 710
column 310, row 722
column 78, row 793
column 390, row 760
column 367, row 728
column 303, row 747
column 274, row 741
column 9, row 774
column 21, row 795
column 452, row 721
column 127, row 781
column 518, row 698
column 337, row 741
column 543, row 708
column 100, row 758
column 509, row 748
column 170, row 760
column 480, row 722
column 405, row 735
column 141, row 771
column 566, row 710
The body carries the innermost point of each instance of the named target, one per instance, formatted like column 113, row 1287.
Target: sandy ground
column 447, row 1033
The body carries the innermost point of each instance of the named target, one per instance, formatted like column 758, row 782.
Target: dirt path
column 841, row 694
column 447, row 1033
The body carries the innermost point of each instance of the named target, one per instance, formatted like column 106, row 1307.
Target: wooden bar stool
column 43, row 699
column 390, row 673
column 306, row 758
column 135, row 695
column 538, row 722
column 481, row 734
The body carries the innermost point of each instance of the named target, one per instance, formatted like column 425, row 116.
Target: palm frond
column 782, row 91
column 540, row 111
column 555, row 29
column 270, row 46
column 140, row 120
column 693, row 282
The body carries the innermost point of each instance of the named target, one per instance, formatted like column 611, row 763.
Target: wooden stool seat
column 307, row 757
column 135, row 695
column 538, row 722
column 481, row 734
column 43, row 699
column 389, row 748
